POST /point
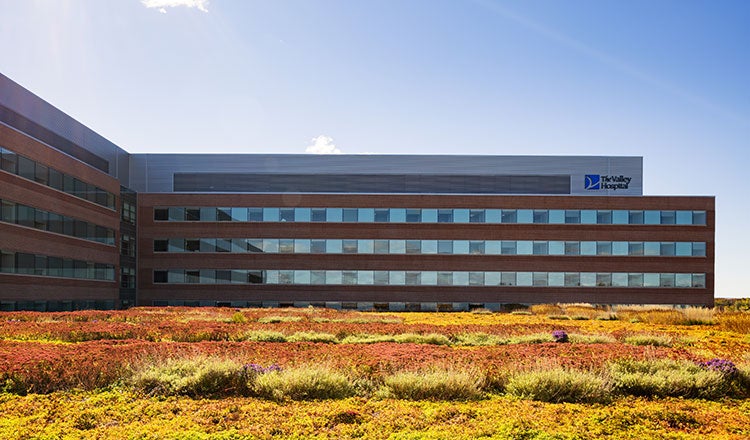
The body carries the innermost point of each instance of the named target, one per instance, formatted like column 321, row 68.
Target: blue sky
column 666, row 80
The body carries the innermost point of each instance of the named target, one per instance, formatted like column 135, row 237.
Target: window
column 445, row 216
column 382, row 215
column 349, row 246
column 445, row 247
column 541, row 216
column 160, row 245
column 161, row 214
column 604, row 248
column 572, row 279
column 381, row 246
column 573, row 216
column 192, row 245
column 413, row 246
column 604, row 279
column 604, row 217
column 255, row 214
column 699, row 217
column 540, row 248
column 127, row 245
column 413, row 215
column 476, row 247
column 476, row 216
column 668, row 217
column 635, row 217
column 286, row 214
column 224, row 214
column 127, row 277
column 508, row 248
column 508, row 216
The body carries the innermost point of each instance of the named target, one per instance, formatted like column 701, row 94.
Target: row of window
column 420, row 215
column 23, row 215
column 30, row 264
column 460, row 247
column 429, row 278
column 22, row 166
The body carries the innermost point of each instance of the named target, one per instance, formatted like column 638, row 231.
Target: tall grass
column 668, row 378
column 196, row 377
column 653, row 340
column 437, row 384
column 278, row 319
column 735, row 322
column 304, row 383
column 559, row 385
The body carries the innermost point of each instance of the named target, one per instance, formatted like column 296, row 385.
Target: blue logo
column 592, row 182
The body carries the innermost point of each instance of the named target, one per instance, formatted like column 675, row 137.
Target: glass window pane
column 572, row 279
column 208, row 214
column 255, row 245
column 572, row 248
column 683, row 280
column 239, row 214
column 620, row 279
column 381, row 278
column 9, row 162
column 556, row 279
column 398, row 215
column 286, row 245
column 668, row 217
column 398, row 247
column 509, row 216
column 413, row 278
column 476, row 247
column 381, row 246
column 684, row 217
column 429, row 278
column 508, row 247
column 413, row 246
column 429, row 215
column 366, row 215
column 461, row 247
column 588, row 248
column 476, row 216
column 699, row 217
column 397, row 277
column 382, row 215
column 8, row 213
column 572, row 216
column 539, row 279
column 255, row 276
column 507, row 278
column 55, row 179
column 652, row 248
column 540, row 248
column 556, row 216
column 492, row 278
column 318, row 246
column 604, row 248
column 604, row 217
column 176, row 214
column 445, row 246
column 206, row 244
column 334, row 246
column 41, row 174
column 635, row 248
column 413, row 215
column 364, row 246
column 445, row 278
column 318, row 214
column 271, row 245
column 239, row 245
column 476, row 278
column 429, row 246
column 588, row 279
column 667, row 249
column 620, row 217
column 286, row 214
column 223, row 245
column 26, row 167
column 270, row 214
column 620, row 248
column 525, row 216
column 603, row 279
column 652, row 217
column 699, row 249
column 588, row 217
column 524, row 279
column 333, row 277
column 635, row 280
column 556, row 248
column 365, row 277
column 635, row 217
column 699, row 280
column 224, row 214
column 318, row 277
column 666, row 280
column 349, row 214
column 460, row 278
column 302, row 214
column 349, row 246
column 524, row 247
column 461, row 216
column 191, row 214
column 492, row 247
column 302, row 277
column 493, row 216
column 445, row 216
column 651, row 280
column 541, row 216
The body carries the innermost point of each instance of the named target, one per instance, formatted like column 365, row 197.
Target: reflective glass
column 413, row 215
column 302, row 246
column 445, row 278
column 635, row 280
column 524, row 247
column 572, row 248
column 572, row 279
column 604, row 217
column 349, row 246
column 524, row 279
column 380, row 277
column 509, row 216
column 239, row 214
column 302, row 214
column 540, row 248
column 334, row 246
column 333, row 277
column 508, row 278
column 413, row 278
column 397, row 277
column 604, row 248
column 429, row 278
column 684, row 217
column 699, row 280
column 699, row 217
column 445, row 215
column 556, row 248
column 348, row 277
column 635, row 248
column 699, row 249
column 652, row 217
column 476, row 278
column 334, row 214
column 651, row 280
column 365, row 246
column 461, row 215
column 460, row 278
column 492, row 278
column 588, row 279
column 620, row 217
column 620, row 248
column 476, row 247
column 493, row 215
column 398, row 246
column 255, row 245
column 666, row 280
column 381, row 246
column 588, row 217
column 525, row 216
column 683, row 280
column 382, row 215
column 317, row 246
column 365, row 277
column 572, row 216
column 270, row 214
column 668, row 217
column 286, row 214
column 476, row 216
column 556, row 279
column 223, row 245
column 539, row 279
column 541, row 216
column 413, row 246
column 366, row 215
column 429, row 216
column 635, row 217
column 508, row 247
column 270, row 245
column 429, row 246
column 603, row 279
column 492, row 247
column 651, row 248
column 620, row 279
column 350, row 214
column 588, row 248
column 461, row 247
column 302, row 277
column 317, row 214
column 398, row 215
column 445, row 246
column 556, row 216
column 667, row 249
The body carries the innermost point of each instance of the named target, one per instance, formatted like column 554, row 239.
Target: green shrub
column 367, row 338
column 479, row 339
column 654, row 340
column 303, row 383
column 239, row 318
column 668, row 378
column 195, row 377
column 434, row 385
column 313, row 337
column 559, row 385
column 413, row 338
column 521, row 312
column 536, row 338
column 261, row 336
column 559, row 317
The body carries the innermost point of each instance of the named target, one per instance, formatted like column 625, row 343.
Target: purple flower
column 560, row 336
column 255, row 369
column 723, row 366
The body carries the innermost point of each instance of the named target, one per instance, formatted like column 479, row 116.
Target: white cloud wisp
column 201, row 5
column 322, row 145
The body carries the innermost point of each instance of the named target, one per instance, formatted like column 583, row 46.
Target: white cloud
column 201, row 5
column 322, row 145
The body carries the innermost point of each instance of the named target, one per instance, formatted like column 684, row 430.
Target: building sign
column 595, row 182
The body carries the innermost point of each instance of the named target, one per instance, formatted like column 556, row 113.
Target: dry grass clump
column 278, row 319
column 313, row 337
column 734, row 322
column 666, row 315
column 436, row 384
column 653, row 340
column 414, row 338
column 261, row 336
column 559, row 385
column 195, row 377
column 547, row 309
column 303, row 383
column 668, row 378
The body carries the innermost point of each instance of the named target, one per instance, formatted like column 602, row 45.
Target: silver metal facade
column 154, row 173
